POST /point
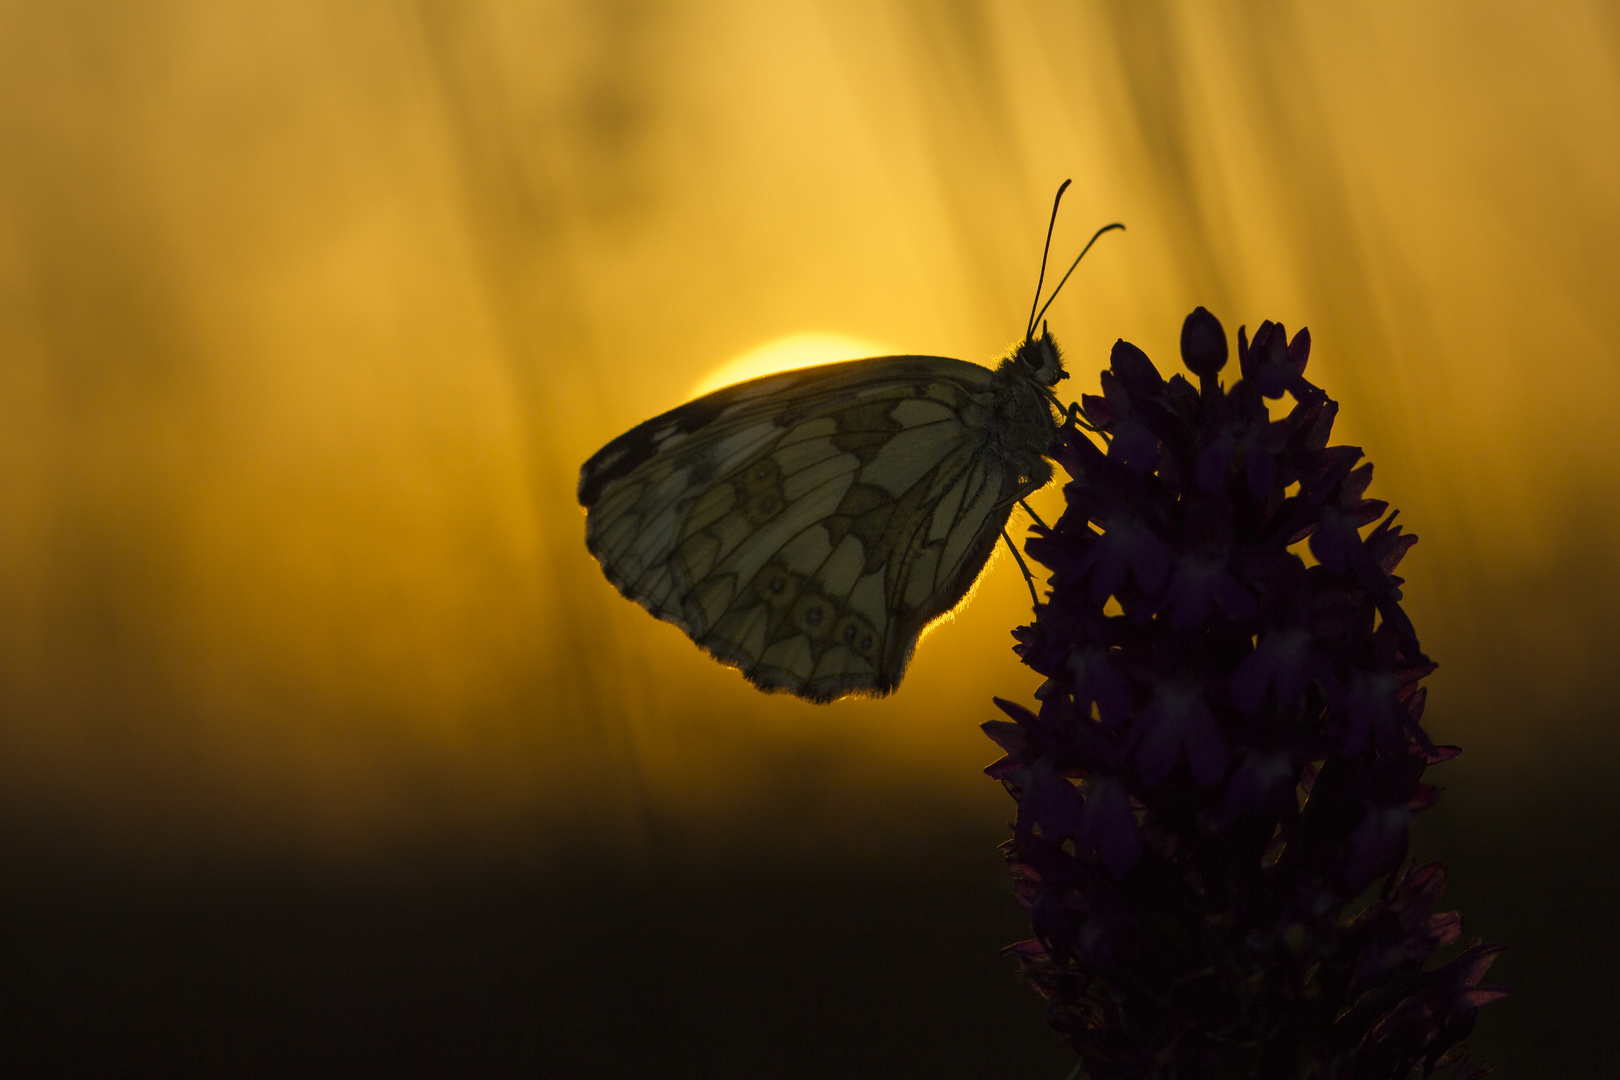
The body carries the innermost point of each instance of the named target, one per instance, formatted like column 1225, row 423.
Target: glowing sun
column 785, row 354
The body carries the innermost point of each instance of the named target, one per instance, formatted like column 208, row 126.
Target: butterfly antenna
column 1040, row 281
column 1077, row 258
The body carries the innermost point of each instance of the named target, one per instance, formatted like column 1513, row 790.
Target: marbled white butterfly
column 806, row 527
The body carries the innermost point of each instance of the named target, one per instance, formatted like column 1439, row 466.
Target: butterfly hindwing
column 806, row 527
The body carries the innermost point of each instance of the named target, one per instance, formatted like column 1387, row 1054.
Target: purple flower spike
column 1216, row 793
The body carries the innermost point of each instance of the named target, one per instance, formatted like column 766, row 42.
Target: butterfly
column 807, row 527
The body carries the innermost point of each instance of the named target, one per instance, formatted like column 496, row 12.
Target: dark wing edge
column 905, row 633
column 625, row 454
column 911, row 629
column 908, row 628
column 739, row 661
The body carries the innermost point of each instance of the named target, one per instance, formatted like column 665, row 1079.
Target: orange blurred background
column 309, row 313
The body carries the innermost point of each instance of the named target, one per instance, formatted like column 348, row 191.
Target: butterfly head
column 1039, row 358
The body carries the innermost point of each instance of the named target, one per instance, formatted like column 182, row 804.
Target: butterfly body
column 806, row 527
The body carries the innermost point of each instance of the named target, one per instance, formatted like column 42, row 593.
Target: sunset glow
column 786, row 354
column 305, row 343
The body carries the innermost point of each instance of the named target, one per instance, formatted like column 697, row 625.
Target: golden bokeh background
column 310, row 311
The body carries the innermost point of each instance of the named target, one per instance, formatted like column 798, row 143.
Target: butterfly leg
column 1076, row 417
column 1029, row 579
column 1031, row 512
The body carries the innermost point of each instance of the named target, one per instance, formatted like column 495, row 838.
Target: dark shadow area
column 1539, row 871
column 755, row 958
column 735, row 966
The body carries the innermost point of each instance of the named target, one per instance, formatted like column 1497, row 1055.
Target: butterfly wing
column 806, row 527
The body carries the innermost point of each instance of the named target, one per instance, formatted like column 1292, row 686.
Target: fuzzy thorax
column 1025, row 424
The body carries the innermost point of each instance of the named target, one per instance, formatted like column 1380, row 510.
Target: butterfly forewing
column 806, row 527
